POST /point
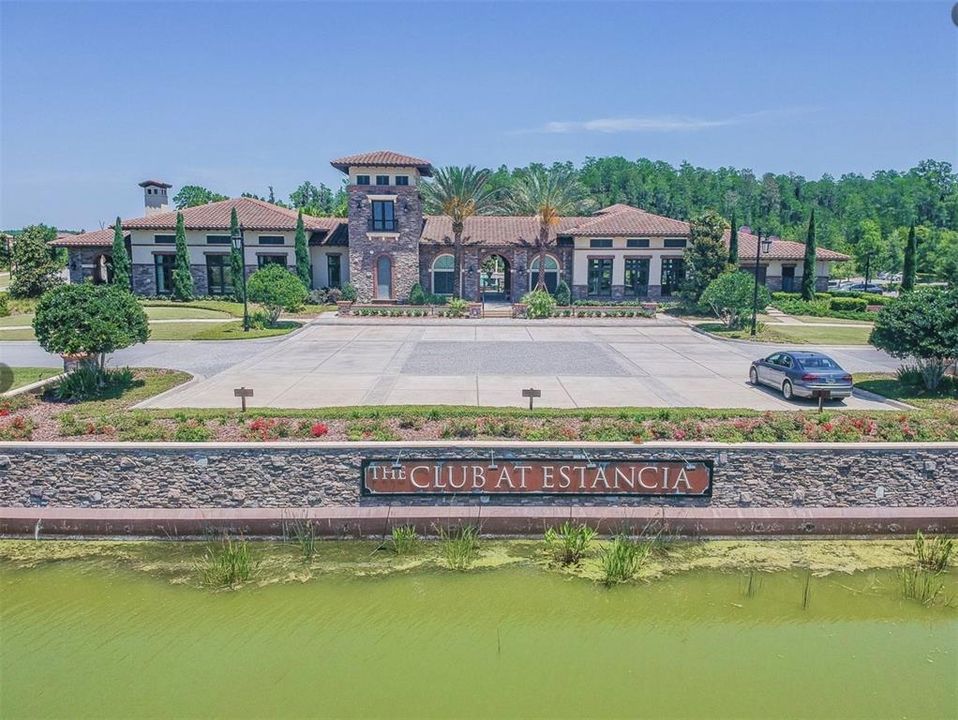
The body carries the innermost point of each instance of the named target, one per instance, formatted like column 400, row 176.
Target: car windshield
column 820, row 363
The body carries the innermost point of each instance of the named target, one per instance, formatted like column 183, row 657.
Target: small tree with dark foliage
column 302, row 253
column 182, row 277
column 808, row 266
column 35, row 266
column 236, row 260
column 909, row 271
column 920, row 326
column 119, row 258
column 706, row 257
column 88, row 319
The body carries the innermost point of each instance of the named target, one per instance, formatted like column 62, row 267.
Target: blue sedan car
column 800, row 373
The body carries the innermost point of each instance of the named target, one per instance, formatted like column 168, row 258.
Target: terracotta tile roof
column 626, row 220
column 96, row 238
column 253, row 214
column 491, row 229
column 382, row 158
column 780, row 250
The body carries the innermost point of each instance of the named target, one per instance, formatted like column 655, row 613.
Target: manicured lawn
column 16, row 319
column 26, row 375
column 231, row 330
column 946, row 397
column 814, row 320
column 234, row 331
column 818, row 335
column 227, row 307
column 26, row 334
column 184, row 312
column 795, row 334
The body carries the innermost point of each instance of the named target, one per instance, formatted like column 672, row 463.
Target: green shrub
column 349, row 293
column 227, row 563
column 89, row 319
column 405, row 539
column 88, row 382
column 4, row 306
column 192, row 431
column 563, row 295
column 276, row 289
column 847, row 304
column 934, row 554
column 622, row 559
column 569, row 542
column 457, row 308
column 459, row 547
column 730, row 297
column 417, row 295
column 539, row 304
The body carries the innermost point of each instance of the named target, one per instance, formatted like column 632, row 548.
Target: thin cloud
column 657, row 123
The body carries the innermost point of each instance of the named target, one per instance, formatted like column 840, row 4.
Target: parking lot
column 396, row 363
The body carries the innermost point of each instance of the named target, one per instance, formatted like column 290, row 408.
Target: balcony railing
column 384, row 225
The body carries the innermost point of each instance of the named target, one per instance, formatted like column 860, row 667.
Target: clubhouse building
column 387, row 244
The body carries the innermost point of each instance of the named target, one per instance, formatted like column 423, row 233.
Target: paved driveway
column 393, row 363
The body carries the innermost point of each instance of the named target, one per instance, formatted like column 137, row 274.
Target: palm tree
column 548, row 195
column 460, row 193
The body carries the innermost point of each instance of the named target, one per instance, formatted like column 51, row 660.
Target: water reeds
column 226, row 563
column 623, row 557
column 752, row 584
column 933, row 554
column 459, row 547
column 920, row 584
column 405, row 539
column 569, row 542
column 304, row 533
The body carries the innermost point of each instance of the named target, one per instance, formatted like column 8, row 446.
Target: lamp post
column 762, row 246
column 239, row 245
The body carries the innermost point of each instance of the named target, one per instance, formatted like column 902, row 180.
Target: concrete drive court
column 398, row 363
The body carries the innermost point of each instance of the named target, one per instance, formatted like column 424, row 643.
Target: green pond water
column 84, row 639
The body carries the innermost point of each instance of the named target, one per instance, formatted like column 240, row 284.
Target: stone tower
column 385, row 222
column 155, row 199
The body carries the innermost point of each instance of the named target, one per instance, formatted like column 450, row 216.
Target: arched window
column 552, row 273
column 384, row 278
column 443, row 275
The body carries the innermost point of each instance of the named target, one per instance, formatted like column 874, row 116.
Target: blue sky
column 98, row 96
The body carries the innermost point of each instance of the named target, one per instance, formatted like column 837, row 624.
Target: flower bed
column 450, row 310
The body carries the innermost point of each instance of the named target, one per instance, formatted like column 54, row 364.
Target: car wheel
column 753, row 376
column 787, row 390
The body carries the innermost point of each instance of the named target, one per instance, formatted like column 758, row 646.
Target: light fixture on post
column 239, row 245
column 762, row 246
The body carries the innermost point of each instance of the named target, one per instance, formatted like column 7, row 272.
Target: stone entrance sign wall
column 277, row 475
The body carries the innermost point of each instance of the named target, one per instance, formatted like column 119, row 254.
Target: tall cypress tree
column 808, row 267
column 121, row 261
column 910, row 269
column 733, row 244
column 237, row 265
column 182, row 277
column 302, row 252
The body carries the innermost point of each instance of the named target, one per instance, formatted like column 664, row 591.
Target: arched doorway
column 383, row 285
column 495, row 278
column 551, row 275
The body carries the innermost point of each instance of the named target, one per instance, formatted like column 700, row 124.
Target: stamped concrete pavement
column 602, row 365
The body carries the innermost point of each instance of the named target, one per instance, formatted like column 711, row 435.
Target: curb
column 378, row 521
column 32, row 386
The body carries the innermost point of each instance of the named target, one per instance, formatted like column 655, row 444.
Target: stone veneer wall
column 312, row 474
column 403, row 250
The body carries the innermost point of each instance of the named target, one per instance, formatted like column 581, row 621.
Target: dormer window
column 384, row 216
column 382, row 179
column 362, row 179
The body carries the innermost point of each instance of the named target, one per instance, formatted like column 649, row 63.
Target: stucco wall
column 310, row 474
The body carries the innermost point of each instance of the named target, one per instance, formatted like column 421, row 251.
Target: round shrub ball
column 276, row 289
column 88, row 319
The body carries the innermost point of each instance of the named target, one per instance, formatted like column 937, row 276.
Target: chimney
column 155, row 198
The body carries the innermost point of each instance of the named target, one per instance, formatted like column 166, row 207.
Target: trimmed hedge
column 848, row 304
